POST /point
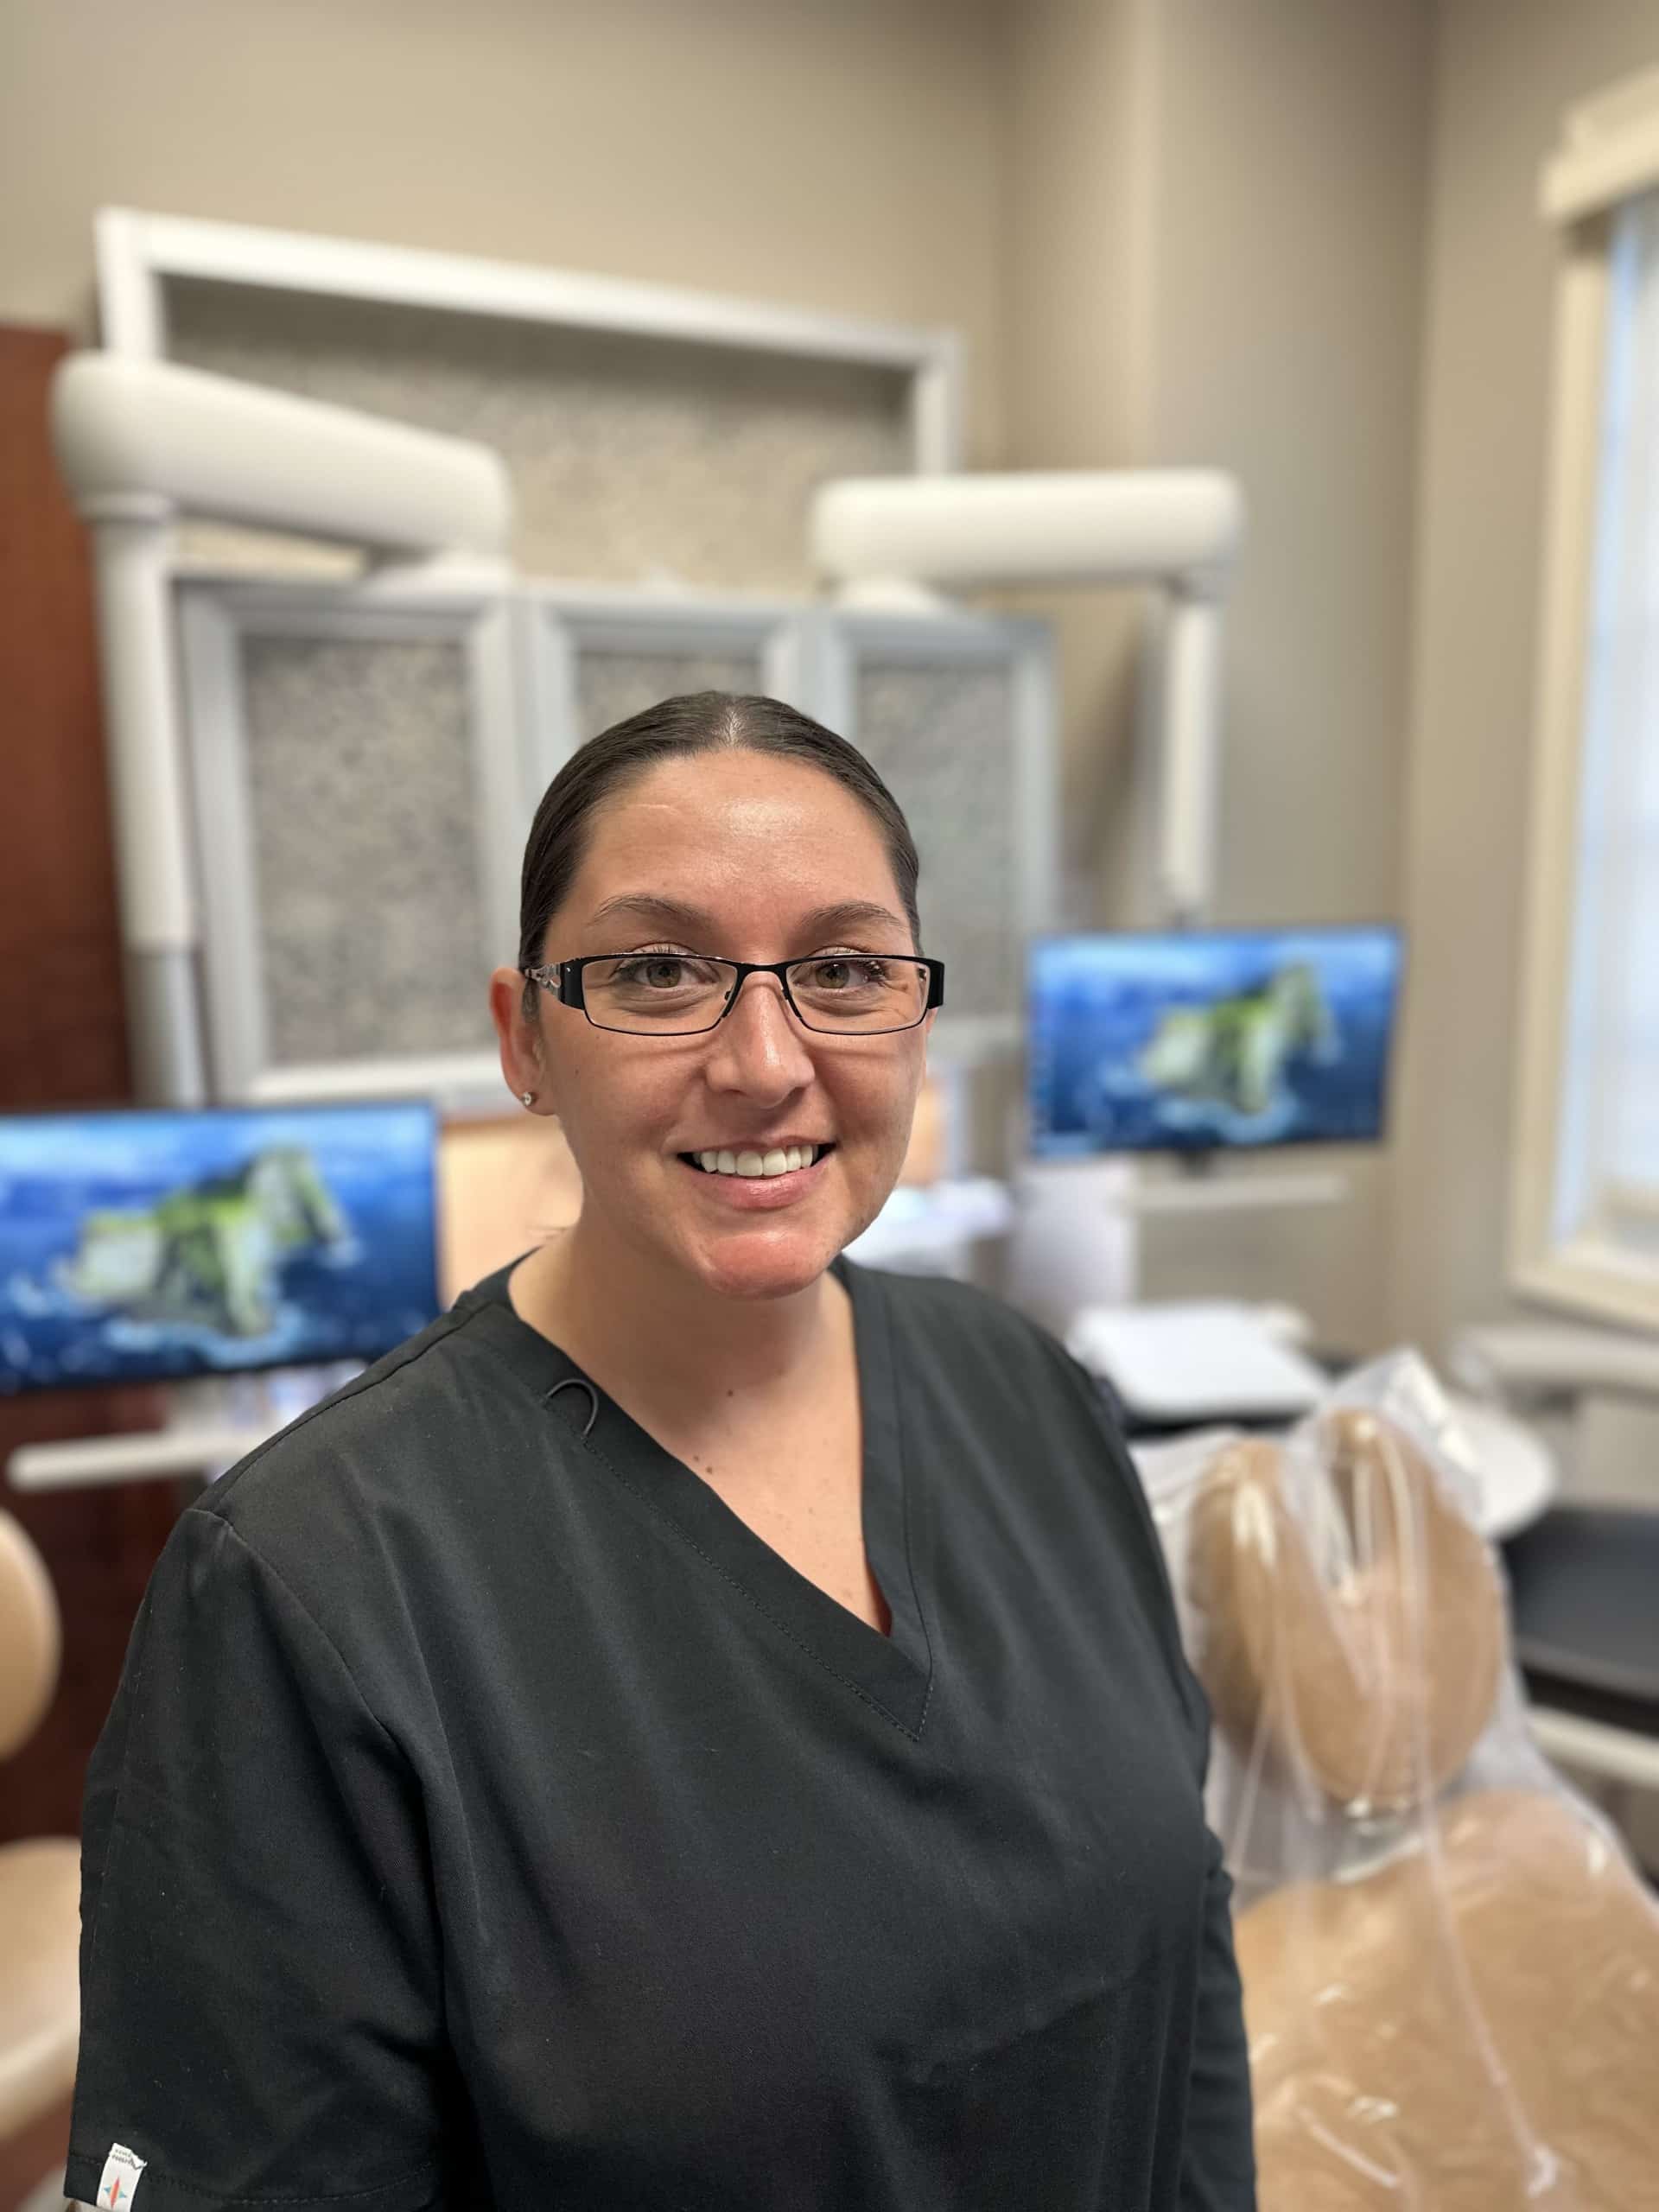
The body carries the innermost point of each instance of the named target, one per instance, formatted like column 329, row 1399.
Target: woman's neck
column 673, row 1350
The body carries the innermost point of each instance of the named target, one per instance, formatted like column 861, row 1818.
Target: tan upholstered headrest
column 1360, row 1621
column 31, row 1635
column 1471, row 2028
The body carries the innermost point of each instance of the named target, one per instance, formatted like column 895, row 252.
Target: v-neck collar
column 893, row 1671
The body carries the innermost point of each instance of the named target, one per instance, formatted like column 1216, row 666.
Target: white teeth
column 775, row 1162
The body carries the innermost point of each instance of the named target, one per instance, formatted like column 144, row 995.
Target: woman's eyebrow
column 671, row 913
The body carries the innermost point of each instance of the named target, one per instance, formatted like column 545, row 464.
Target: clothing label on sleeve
column 119, row 2181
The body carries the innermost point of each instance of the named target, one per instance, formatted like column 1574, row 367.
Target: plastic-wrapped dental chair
column 1450, row 1969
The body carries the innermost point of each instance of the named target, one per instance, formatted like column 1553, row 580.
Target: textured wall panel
column 611, row 686
column 942, row 740
column 361, row 790
column 632, row 459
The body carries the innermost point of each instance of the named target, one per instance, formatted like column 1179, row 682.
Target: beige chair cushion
column 40, row 1982
column 31, row 1635
column 1472, row 2027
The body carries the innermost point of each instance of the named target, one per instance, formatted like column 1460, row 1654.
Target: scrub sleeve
column 259, row 1952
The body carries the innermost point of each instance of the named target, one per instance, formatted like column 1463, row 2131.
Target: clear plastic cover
column 1451, row 1969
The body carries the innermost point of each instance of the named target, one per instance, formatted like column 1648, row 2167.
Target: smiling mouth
column 753, row 1166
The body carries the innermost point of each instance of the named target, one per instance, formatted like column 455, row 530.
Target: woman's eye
column 654, row 970
column 661, row 971
column 837, row 970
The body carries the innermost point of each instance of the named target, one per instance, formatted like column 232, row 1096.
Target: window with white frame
column 1585, row 1231
column 1607, row 1161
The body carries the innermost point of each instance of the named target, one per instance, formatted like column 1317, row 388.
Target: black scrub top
column 487, row 1816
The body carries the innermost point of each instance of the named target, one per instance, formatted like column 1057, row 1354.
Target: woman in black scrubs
column 703, row 1725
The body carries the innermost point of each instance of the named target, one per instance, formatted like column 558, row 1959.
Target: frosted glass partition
column 940, row 738
column 610, row 686
column 372, row 936
column 359, row 818
column 596, row 657
column 956, row 716
column 633, row 459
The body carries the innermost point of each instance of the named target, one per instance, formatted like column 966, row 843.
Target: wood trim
column 63, row 1019
column 61, row 1011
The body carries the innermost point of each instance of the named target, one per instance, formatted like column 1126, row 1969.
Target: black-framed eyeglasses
column 680, row 993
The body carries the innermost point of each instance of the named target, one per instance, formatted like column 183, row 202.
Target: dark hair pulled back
column 689, row 723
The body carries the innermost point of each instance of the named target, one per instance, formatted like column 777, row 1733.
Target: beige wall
column 1505, row 70
column 845, row 157
column 1081, row 165
column 1286, row 325
column 1289, row 285
column 1215, row 256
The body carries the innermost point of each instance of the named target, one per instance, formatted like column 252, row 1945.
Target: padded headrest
column 31, row 1635
column 1347, row 1606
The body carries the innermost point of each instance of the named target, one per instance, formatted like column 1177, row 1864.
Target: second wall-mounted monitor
column 1195, row 1041
column 146, row 1247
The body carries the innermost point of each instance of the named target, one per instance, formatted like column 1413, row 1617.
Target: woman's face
column 745, row 856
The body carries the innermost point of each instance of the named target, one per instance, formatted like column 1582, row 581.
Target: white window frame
column 1609, row 153
column 137, row 253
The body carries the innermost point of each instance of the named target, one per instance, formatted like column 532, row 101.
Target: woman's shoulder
column 392, row 1429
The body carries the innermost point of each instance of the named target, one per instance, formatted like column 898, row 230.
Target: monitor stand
column 212, row 1422
column 1196, row 1186
column 1074, row 1240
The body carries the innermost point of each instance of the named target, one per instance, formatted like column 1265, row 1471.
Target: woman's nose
column 759, row 1043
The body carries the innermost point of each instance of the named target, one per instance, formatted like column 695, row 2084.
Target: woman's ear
column 518, row 1034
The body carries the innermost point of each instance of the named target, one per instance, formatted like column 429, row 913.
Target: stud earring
column 529, row 1098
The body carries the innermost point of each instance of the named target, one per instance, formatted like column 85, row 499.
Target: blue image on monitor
column 1193, row 1040
column 150, row 1246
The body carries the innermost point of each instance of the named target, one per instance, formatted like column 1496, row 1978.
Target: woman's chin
column 763, row 1258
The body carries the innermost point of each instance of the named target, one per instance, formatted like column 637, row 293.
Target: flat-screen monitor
column 153, row 1245
column 1192, row 1040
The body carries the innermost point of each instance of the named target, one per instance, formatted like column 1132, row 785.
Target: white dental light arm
column 878, row 538
column 129, row 431
column 141, row 442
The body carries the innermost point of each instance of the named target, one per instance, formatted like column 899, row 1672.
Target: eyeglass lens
column 675, row 991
